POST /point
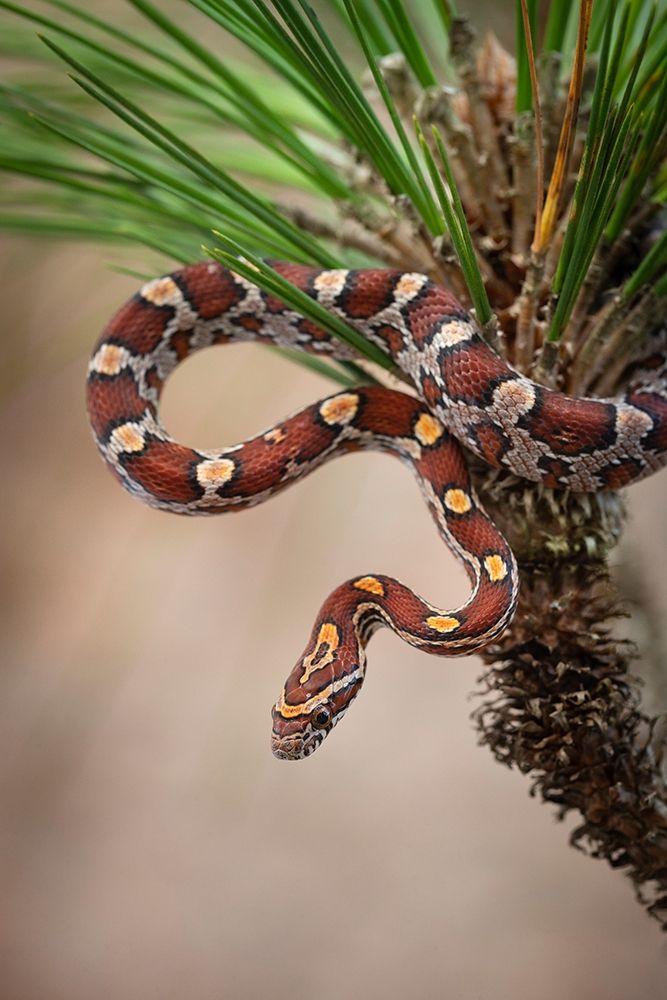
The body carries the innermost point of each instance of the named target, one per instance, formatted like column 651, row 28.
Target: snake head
column 296, row 738
column 317, row 693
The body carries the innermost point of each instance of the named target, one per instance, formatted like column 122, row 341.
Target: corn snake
column 468, row 394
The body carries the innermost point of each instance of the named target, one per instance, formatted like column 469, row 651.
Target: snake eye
column 321, row 717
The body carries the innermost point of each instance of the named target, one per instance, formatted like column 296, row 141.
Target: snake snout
column 294, row 747
column 286, row 749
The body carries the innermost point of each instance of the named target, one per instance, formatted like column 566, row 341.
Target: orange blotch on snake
column 289, row 711
column 455, row 332
column 215, row 472
column 109, row 360
column 328, row 640
column 331, row 281
column 127, row 437
column 496, row 567
column 428, row 429
column 409, row 285
column 458, row 501
column 371, row 584
column 275, row 436
column 442, row 624
column 162, row 292
column 340, row 409
column 328, row 633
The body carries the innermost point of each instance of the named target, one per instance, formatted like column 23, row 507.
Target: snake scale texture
column 467, row 394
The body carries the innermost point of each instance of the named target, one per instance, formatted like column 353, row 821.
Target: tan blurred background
column 150, row 846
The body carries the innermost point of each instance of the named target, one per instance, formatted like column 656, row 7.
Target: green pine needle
column 613, row 144
column 165, row 139
column 422, row 196
column 457, row 225
column 653, row 263
column 256, row 270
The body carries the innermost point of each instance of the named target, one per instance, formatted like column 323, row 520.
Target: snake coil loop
column 467, row 394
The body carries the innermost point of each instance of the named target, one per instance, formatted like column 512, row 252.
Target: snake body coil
column 466, row 392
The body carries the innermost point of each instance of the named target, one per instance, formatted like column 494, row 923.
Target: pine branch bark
column 560, row 701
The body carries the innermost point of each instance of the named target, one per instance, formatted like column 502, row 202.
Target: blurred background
column 150, row 846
